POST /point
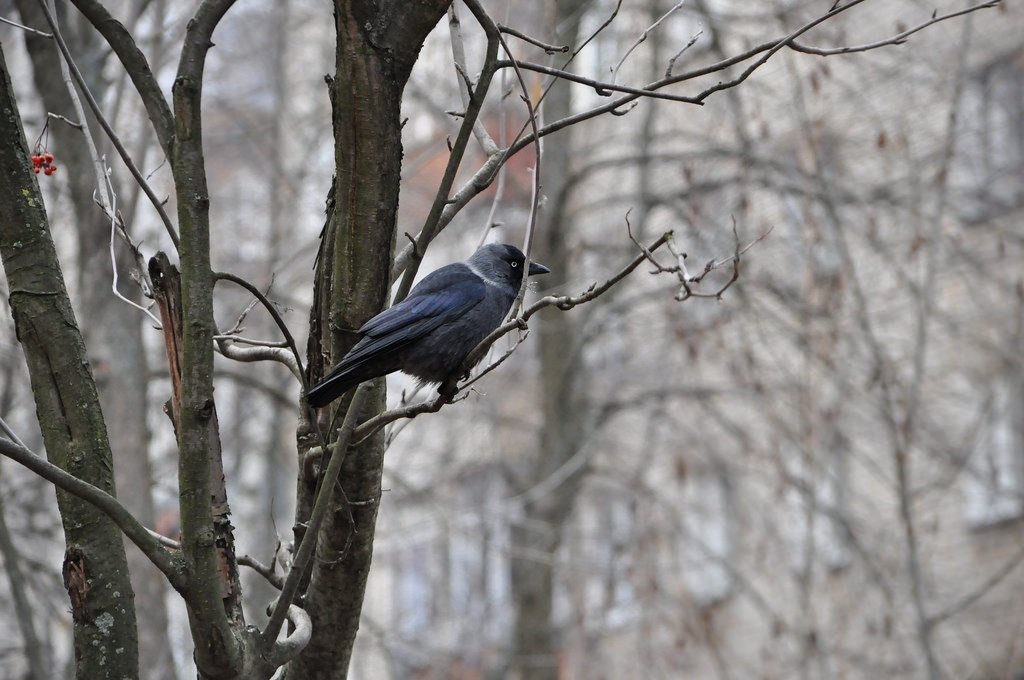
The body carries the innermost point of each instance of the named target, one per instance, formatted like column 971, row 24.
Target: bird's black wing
column 442, row 297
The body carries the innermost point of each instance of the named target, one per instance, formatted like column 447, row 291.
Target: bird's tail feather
column 333, row 387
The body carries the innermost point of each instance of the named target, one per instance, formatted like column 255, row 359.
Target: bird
column 431, row 332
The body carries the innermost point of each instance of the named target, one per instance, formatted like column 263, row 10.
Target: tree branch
column 898, row 39
column 110, row 506
column 136, row 66
column 290, row 647
column 550, row 49
column 323, row 501
column 215, row 614
column 114, row 139
column 267, row 572
column 483, row 177
column 411, row 257
column 294, row 363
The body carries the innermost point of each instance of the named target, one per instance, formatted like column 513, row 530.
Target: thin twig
column 465, row 84
column 114, row 139
column 111, row 209
column 643, row 37
column 10, row 434
column 267, row 572
column 41, row 34
column 681, row 272
column 689, row 43
column 65, row 120
column 602, row 88
column 898, row 39
column 535, row 188
column 298, row 368
column 550, row 49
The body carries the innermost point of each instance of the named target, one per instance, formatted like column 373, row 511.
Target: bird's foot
column 449, row 388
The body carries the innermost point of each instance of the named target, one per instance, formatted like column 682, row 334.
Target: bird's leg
column 450, row 387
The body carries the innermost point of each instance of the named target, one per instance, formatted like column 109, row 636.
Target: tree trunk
column 112, row 329
column 377, row 47
column 68, row 408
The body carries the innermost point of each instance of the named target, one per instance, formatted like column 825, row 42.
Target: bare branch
column 643, row 37
column 41, row 34
column 267, row 572
column 111, row 135
column 233, row 337
column 601, row 87
column 550, row 49
column 252, row 354
column 110, row 506
column 290, row 647
column 117, row 227
column 65, row 120
column 465, row 85
column 294, row 361
column 10, row 434
column 898, row 39
column 135, row 65
column 682, row 273
column 535, row 188
column 769, row 48
column 689, row 43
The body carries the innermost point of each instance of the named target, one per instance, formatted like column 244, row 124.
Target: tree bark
column 112, row 329
column 224, row 647
column 378, row 43
column 68, row 408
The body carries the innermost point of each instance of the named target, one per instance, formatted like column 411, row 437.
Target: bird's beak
column 537, row 268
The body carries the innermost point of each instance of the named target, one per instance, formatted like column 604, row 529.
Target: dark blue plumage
column 430, row 333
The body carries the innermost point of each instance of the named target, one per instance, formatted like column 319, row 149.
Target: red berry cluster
column 44, row 162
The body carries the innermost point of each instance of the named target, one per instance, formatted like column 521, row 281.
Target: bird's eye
column 514, row 264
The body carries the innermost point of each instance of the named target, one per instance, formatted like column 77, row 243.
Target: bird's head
column 503, row 263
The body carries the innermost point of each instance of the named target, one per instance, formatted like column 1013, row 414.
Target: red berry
column 36, row 169
column 47, row 157
column 50, row 170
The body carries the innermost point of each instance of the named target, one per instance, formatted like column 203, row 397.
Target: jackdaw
column 430, row 333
